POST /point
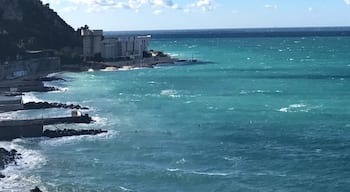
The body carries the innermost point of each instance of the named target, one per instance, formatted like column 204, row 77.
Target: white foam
column 100, row 121
column 30, row 97
column 172, row 170
column 77, row 139
column 9, row 115
column 297, row 105
column 124, row 188
column 181, row 161
column 295, row 108
column 170, row 93
column 284, row 109
column 211, row 173
column 199, row 172
column 173, row 54
column 15, row 174
column 232, row 158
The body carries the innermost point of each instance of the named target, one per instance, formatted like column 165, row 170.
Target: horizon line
column 233, row 28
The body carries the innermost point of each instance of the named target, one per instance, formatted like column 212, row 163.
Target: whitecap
column 284, row 109
column 170, row 93
column 211, row 173
column 30, row 97
column 124, row 188
column 173, row 54
column 232, row 158
column 15, row 179
column 297, row 105
column 101, row 121
column 77, row 139
column 172, row 170
column 295, row 108
column 181, row 161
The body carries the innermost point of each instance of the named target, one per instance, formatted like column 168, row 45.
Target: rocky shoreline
column 9, row 157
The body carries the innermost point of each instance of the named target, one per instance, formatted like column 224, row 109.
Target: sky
column 124, row 15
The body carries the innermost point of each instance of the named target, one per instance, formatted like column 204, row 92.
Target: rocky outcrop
column 47, row 105
column 32, row 25
column 71, row 132
column 36, row 189
column 7, row 157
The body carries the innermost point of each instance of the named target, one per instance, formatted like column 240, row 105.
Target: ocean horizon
column 263, row 111
column 238, row 32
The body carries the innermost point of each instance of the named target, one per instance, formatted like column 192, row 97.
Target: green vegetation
column 30, row 25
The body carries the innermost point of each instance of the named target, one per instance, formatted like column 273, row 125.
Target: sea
column 254, row 113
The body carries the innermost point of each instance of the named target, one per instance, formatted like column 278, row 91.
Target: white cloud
column 310, row 9
column 347, row 2
column 136, row 5
column 268, row 6
column 205, row 5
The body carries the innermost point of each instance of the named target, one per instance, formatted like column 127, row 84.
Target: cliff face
column 30, row 25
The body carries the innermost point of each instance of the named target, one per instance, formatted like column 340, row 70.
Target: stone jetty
column 12, row 129
column 71, row 132
column 47, row 105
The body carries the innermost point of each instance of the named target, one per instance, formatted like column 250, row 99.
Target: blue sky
column 121, row 15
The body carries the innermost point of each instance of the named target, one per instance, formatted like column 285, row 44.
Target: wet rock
column 36, row 189
column 71, row 132
column 48, row 89
column 51, row 79
column 7, row 157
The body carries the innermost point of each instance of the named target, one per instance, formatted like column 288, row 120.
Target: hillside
column 30, row 25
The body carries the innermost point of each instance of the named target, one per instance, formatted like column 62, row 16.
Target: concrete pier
column 10, row 103
column 11, row 129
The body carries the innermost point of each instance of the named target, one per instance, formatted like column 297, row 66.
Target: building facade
column 91, row 42
column 131, row 47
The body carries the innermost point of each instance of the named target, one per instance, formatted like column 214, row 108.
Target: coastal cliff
column 32, row 25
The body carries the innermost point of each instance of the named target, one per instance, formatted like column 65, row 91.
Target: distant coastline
column 240, row 32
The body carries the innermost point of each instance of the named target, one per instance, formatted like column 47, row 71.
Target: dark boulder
column 36, row 189
column 71, row 132
column 7, row 157
column 46, row 105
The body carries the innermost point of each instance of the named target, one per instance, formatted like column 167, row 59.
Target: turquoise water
column 265, row 114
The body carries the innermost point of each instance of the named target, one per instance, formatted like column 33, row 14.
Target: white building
column 91, row 42
column 113, row 48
